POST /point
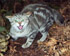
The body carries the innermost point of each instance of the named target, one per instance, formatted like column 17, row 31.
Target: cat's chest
column 26, row 31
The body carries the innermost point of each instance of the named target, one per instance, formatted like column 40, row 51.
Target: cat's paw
column 26, row 45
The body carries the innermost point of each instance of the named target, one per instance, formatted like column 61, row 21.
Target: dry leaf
column 1, row 54
column 51, row 42
column 63, row 50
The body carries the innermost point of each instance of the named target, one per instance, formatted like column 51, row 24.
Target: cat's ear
column 29, row 13
column 9, row 18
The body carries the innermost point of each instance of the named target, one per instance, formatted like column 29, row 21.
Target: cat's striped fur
column 37, row 18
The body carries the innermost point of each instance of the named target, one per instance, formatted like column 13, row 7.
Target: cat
column 32, row 19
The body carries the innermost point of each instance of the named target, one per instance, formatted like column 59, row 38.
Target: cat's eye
column 23, row 20
column 16, row 21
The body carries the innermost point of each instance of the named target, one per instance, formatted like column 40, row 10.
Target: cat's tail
column 58, row 18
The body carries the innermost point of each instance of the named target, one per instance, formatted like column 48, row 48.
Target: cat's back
column 40, row 13
column 35, row 7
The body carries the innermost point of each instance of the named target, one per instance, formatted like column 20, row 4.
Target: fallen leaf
column 51, row 42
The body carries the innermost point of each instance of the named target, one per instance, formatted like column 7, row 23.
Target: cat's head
column 19, row 21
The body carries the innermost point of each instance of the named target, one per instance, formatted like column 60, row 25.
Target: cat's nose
column 19, row 23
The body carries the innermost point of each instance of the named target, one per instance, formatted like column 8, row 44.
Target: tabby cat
column 32, row 19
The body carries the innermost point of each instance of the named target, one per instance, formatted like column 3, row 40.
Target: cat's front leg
column 43, row 38
column 14, row 36
column 29, row 41
column 44, row 33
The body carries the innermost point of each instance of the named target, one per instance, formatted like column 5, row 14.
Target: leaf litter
column 56, row 44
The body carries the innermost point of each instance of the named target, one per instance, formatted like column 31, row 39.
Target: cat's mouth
column 20, row 27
